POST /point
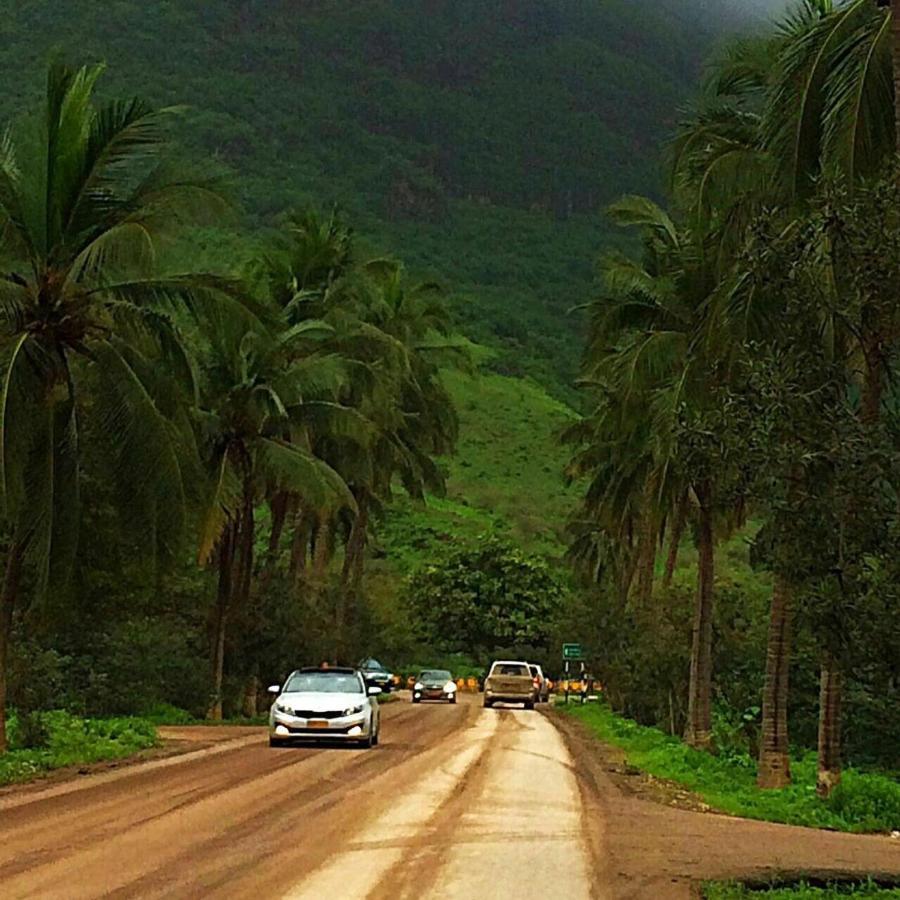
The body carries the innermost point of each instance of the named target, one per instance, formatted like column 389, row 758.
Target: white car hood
column 318, row 702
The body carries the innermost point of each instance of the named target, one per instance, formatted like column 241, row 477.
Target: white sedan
column 325, row 704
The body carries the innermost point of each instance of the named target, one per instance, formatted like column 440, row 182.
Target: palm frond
column 633, row 211
column 858, row 116
column 144, row 451
column 792, row 126
column 299, row 472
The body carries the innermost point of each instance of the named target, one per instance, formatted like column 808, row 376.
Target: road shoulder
column 657, row 850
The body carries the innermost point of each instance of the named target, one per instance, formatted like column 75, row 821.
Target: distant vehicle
column 377, row 675
column 434, row 684
column 541, row 683
column 509, row 681
column 332, row 704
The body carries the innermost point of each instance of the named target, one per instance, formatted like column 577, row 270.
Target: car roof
column 336, row 670
column 509, row 662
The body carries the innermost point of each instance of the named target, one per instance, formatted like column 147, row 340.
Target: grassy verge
column 862, row 803
column 800, row 892
column 66, row 740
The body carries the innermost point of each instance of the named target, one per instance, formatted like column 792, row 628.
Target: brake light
column 537, row 681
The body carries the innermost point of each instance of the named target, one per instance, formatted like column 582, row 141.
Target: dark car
column 434, row 684
column 377, row 675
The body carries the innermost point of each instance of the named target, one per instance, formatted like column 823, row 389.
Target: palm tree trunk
column 351, row 572
column 356, row 543
column 15, row 557
column 774, row 757
column 830, row 696
column 698, row 732
column 322, row 552
column 280, row 506
column 678, row 524
column 247, row 535
column 299, row 545
column 873, row 385
column 895, row 54
column 646, row 560
column 250, row 706
column 220, row 619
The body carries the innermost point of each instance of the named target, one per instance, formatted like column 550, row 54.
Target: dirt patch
column 635, row 783
column 663, row 849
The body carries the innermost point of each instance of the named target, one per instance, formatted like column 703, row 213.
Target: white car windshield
column 323, row 683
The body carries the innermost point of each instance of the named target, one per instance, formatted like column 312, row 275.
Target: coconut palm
column 398, row 346
column 647, row 353
column 85, row 196
column 833, row 107
column 260, row 393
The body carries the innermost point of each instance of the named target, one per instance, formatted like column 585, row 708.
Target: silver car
column 325, row 704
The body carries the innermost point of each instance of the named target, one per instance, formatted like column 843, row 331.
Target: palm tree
column 398, row 345
column 85, row 195
column 656, row 374
column 832, row 106
column 259, row 394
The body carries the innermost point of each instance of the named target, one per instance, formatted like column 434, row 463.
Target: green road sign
column 572, row 651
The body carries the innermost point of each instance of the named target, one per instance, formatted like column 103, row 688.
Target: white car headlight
column 450, row 687
column 280, row 707
column 418, row 686
column 353, row 710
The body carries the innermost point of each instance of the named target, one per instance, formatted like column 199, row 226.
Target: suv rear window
column 506, row 669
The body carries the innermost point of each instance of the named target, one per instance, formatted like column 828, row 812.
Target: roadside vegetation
column 44, row 741
column 742, row 372
column 801, row 892
column 234, row 435
column 863, row 802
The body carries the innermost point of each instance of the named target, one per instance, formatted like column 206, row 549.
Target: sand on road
column 458, row 803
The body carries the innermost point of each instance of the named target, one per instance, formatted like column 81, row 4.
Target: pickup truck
column 509, row 681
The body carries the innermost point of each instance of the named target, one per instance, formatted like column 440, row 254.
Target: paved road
column 458, row 803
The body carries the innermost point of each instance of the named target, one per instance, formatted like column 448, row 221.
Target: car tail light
column 537, row 681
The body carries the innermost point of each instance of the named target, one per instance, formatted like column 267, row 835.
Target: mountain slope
column 478, row 139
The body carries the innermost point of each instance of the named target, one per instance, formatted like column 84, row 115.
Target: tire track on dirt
column 206, row 823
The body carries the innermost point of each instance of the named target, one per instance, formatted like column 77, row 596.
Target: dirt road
column 458, row 803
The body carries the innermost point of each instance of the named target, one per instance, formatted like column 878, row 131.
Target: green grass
column 800, row 892
column 507, row 476
column 68, row 740
column 862, row 803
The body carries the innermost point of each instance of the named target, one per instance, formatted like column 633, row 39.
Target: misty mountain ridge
column 478, row 139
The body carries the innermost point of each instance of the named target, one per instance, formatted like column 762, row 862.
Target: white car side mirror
column 274, row 689
column 374, row 691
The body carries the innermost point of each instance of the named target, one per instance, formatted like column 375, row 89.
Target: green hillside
column 477, row 139
column 506, row 477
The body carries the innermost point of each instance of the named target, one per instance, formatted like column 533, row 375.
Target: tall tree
column 656, row 378
column 85, row 307
column 258, row 395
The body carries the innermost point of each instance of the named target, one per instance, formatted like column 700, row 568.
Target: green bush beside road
column 800, row 892
column 864, row 802
column 44, row 741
